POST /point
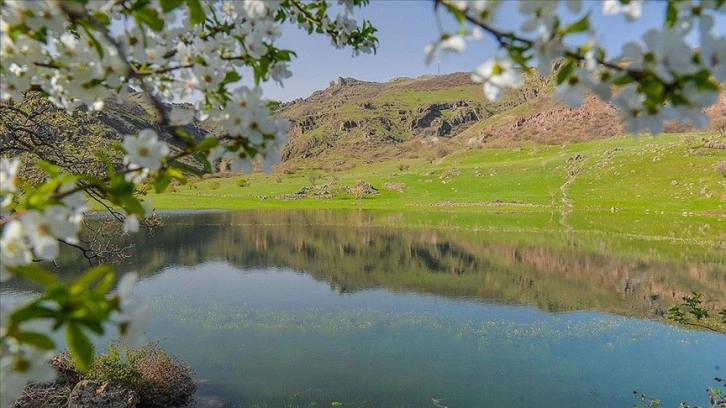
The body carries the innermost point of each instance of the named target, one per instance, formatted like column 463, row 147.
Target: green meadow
column 666, row 186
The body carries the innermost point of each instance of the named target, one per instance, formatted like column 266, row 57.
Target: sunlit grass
column 664, row 186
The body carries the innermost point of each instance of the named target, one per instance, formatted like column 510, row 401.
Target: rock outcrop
column 440, row 119
column 94, row 394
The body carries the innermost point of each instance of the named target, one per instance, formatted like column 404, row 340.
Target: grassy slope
column 662, row 183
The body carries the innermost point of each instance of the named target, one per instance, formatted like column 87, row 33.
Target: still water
column 311, row 308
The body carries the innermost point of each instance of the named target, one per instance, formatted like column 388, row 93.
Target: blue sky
column 404, row 29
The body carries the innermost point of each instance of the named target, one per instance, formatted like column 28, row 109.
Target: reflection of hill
column 550, row 271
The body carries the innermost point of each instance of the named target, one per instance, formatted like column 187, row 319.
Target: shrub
column 719, row 125
column 214, row 185
column 287, row 168
column 242, row 182
column 313, row 178
column 403, row 167
column 721, row 167
column 158, row 380
column 361, row 189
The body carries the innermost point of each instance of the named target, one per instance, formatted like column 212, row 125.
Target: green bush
column 158, row 380
column 242, row 182
column 214, row 185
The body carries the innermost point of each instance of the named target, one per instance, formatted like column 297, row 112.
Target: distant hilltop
column 364, row 120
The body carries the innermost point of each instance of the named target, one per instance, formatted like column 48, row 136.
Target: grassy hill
column 355, row 122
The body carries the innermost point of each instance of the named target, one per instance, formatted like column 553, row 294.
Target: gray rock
column 94, row 394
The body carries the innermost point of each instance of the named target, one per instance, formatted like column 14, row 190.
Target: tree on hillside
column 78, row 53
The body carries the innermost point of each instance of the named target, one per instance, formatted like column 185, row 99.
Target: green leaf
column 89, row 277
column 208, row 143
column 231, row 76
column 38, row 340
column 36, row 274
column 517, row 55
column 177, row 174
column 80, row 346
column 132, row 205
column 105, row 285
column 30, row 312
column 459, row 14
column 623, row 80
column 565, row 71
column 184, row 135
column 169, row 5
column 16, row 30
column 162, row 181
column 49, row 168
column 150, row 17
column 671, row 14
column 102, row 18
column 120, row 187
column 95, row 327
column 653, row 90
column 202, row 158
column 96, row 45
column 139, row 4
column 196, row 12
column 578, row 26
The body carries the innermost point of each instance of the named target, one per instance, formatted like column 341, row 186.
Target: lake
column 383, row 309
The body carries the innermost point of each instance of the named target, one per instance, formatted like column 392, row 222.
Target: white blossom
column 280, row 72
column 35, row 368
column 713, row 55
column 572, row 90
column 541, row 16
column 497, row 74
column 636, row 117
column 134, row 313
column 258, row 9
column 14, row 84
column 451, row 43
column 131, row 223
column 632, row 10
column 180, row 117
column 14, row 251
column 145, row 149
column 38, row 229
column 136, row 174
column 8, row 179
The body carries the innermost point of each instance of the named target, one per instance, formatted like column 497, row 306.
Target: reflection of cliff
column 342, row 249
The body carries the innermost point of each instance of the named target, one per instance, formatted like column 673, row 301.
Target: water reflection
column 296, row 308
column 356, row 250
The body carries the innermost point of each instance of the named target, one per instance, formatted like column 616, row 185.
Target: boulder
column 443, row 128
column 348, row 125
column 426, row 115
column 94, row 394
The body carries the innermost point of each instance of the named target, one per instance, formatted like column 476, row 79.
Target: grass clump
column 157, row 379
